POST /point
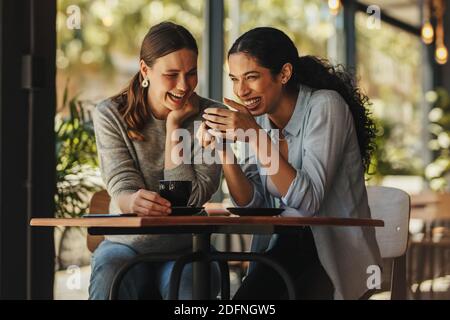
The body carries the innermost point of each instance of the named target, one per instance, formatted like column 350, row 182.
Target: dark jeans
column 297, row 253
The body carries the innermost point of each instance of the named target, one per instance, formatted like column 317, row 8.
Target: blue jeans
column 143, row 281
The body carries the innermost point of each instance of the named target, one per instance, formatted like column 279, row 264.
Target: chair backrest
column 393, row 207
column 99, row 204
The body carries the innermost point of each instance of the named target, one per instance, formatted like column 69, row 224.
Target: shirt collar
column 294, row 124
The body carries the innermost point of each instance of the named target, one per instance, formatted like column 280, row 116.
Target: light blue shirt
column 323, row 149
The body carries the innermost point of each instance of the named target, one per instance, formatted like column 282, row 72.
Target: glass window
column 389, row 65
column 102, row 55
column 307, row 22
column 99, row 58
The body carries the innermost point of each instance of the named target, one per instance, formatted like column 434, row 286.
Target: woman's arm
column 243, row 180
column 123, row 181
column 172, row 141
column 143, row 202
column 278, row 169
column 326, row 135
column 116, row 164
column 241, row 189
column 174, row 122
column 205, row 177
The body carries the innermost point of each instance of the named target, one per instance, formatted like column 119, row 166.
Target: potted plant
column 77, row 175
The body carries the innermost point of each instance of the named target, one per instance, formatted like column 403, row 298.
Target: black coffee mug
column 176, row 191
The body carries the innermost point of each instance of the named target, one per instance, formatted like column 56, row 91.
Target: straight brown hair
column 162, row 39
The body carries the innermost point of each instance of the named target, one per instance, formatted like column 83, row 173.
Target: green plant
column 439, row 143
column 77, row 162
column 391, row 157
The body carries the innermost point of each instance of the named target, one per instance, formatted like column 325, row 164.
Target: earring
column 145, row 82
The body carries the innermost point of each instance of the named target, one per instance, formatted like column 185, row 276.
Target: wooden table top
column 139, row 222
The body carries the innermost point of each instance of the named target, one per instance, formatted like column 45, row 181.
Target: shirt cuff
column 248, row 205
column 299, row 198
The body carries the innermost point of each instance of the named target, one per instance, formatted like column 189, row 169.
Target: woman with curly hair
column 317, row 126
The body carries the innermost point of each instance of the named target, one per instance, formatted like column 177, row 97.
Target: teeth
column 176, row 95
column 252, row 101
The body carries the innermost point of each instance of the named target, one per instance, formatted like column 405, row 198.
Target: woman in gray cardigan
column 316, row 141
column 136, row 132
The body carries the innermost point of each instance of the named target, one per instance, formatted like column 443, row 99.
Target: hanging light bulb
column 441, row 54
column 427, row 33
column 334, row 6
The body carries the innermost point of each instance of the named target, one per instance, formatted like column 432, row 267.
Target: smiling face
column 254, row 85
column 173, row 78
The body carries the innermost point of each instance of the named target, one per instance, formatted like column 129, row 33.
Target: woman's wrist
column 254, row 141
column 226, row 154
column 124, row 202
column 172, row 125
column 261, row 145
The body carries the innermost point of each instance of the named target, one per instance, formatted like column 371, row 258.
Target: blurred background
column 396, row 49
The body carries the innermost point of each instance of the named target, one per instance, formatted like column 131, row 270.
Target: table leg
column 201, row 269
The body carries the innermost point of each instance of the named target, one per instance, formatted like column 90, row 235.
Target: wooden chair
column 429, row 206
column 99, row 204
column 393, row 206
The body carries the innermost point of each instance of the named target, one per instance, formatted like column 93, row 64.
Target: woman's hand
column 176, row 117
column 204, row 138
column 174, row 121
column 148, row 203
column 224, row 123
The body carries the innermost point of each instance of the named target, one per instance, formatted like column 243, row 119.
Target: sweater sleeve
column 205, row 177
column 117, row 167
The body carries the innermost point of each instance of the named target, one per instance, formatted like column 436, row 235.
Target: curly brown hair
column 272, row 48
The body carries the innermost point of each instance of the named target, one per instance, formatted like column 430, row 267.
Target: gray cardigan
column 323, row 148
column 127, row 166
